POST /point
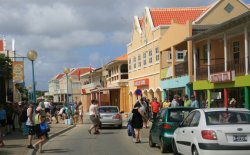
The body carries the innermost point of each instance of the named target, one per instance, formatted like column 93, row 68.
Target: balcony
column 181, row 69
column 201, row 73
column 237, row 65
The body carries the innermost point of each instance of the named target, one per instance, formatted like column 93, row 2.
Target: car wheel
column 151, row 143
column 194, row 151
column 163, row 146
column 175, row 151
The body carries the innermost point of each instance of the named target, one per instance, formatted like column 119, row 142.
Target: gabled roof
column 82, row 70
column 123, row 57
column 58, row 76
column 164, row 16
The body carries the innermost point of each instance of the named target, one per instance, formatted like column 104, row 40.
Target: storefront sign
column 18, row 71
column 222, row 77
column 143, row 82
column 85, row 91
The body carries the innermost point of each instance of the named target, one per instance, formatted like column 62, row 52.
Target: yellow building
column 143, row 56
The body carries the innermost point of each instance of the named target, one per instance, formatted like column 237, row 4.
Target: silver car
column 110, row 116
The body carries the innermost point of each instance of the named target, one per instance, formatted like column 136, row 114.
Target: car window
column 162, row 114
column 188, row 120
column 177, row 115
column 227, row 117
column 108, row 109
column 196, row 119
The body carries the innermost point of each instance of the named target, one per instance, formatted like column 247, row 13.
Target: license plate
column 240, row 138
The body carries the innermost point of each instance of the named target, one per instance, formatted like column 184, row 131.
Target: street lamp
column 32, row 55
column 71, row 86
column 66, row 71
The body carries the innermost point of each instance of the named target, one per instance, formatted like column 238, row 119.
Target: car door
column 191, row 132
column 181, row 141
column 157, row 125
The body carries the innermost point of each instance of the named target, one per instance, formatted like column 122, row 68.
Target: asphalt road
column 110, row 142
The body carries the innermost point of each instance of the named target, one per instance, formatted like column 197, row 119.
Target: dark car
column 163, row 127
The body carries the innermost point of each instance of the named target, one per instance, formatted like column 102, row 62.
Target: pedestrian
column 15, row 116
column 155, row 107
column 3, row 120
column 1, row 139
column 146, row 106
column 137, row 121
column 23, row 119
column 174, row 102
column 39, row 133
column 30, row 125
column 194, row 103
column 9, row 112
column 80, row 108
column 94, row 117
column 187, row 101
column 180, row 101
column 166, row 103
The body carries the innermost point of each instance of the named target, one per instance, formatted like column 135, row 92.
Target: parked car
column 164, row 125
column 110, row 116
column 214, row 131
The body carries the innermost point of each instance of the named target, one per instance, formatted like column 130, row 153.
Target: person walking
column 194, row 103
column 187, row 101
column 30, row 125
column 93, row 115
column 39, row 133
column 3, row 120
column 80, row 108
column 155, row 106
column 137, row 121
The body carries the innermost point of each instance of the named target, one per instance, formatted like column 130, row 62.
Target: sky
column 73, row 33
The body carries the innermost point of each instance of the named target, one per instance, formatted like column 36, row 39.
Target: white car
column 217, row 131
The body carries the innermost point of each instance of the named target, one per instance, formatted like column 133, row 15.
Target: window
column 139, row 61
column 129, row 64
column 179, row 55
column 236, row 51
column 229, row 8
column 157, row 58
column 205, row 53
column 144, row 58
column 150, row 57
column 134, row 62
column 169, row 58
column 196, row 119
column 188, row 120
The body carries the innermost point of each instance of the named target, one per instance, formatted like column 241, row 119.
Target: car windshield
column 177, row 115
column 108, row 109
column 227, row 117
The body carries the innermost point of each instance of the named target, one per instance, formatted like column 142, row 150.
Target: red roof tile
column 123, row 57
column 81, row 70
column 164, row 16
column 59, row 76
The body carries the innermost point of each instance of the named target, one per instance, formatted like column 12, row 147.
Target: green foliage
column 5, row 67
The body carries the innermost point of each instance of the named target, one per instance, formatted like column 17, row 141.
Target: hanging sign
column 18, row 71
column 222, row 77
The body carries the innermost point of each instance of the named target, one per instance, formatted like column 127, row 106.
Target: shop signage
column 18, row 71
column 222, row 77
column 142, row 82
column 85, row 91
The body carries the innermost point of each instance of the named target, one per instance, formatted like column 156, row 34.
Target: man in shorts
column 30, row 125
column 93, row 115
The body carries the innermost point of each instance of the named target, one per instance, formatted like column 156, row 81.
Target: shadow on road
column 57, row 151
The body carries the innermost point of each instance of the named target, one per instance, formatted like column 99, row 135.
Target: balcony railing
column 237, row 65
column 181, row 69
column 201, row 73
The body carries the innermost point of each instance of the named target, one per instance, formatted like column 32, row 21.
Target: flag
column 79, row 74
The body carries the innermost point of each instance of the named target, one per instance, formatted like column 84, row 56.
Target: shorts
column 47, row 110
column 31, row 130
column 95, row 120
column 2, row 123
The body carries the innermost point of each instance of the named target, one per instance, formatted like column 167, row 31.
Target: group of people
column 144, row 110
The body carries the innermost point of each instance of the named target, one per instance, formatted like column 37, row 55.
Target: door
column 181, row 141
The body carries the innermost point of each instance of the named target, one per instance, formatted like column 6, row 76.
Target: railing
column 216, row 68
column 181, row 69
column 237, row 65
column 201, row 73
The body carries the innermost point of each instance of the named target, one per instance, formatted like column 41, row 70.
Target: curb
column 33, row 151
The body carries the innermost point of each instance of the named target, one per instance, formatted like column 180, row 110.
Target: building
column 54, row 88
column 176, row 52
column 117, row 82
column 222, row 63
column 143, row 56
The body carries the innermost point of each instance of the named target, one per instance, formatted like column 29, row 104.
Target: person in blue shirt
column 3, row 120
column 194, row 103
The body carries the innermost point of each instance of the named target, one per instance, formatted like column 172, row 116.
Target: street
column 111, row 141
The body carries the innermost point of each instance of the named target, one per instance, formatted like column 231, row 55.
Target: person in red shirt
column 155, row 107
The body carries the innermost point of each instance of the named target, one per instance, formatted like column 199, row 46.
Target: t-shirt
column 187, row 103
column 2, row 114
column 195, row 104
column 92, row 108
column 166, row 104
column 174, row 103
column 155, row 106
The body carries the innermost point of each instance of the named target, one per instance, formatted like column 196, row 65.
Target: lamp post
column 71, row 87
column 32, row 55
column 66, row 71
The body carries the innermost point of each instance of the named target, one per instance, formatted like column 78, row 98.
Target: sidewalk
column 15, row 143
